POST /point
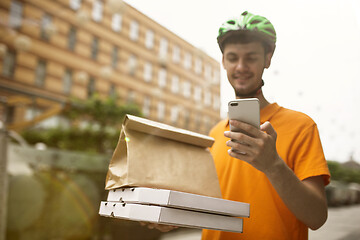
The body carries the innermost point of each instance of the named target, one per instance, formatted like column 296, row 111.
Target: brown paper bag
column 155, row 155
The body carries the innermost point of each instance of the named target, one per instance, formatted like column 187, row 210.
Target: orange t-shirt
column 298, row 144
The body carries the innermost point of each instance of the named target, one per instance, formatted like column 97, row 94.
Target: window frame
column 116, row 22
column 97, row 11
column 40, row 73
column 67, row 81
column 134, row 30
column 15, row 15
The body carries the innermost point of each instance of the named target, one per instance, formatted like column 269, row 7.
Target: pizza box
column 170, row 216
column 181, row 200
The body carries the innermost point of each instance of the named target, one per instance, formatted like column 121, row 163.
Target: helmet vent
column 244, row 13
column 231, row 22
column 270, row 30
column 255, row 21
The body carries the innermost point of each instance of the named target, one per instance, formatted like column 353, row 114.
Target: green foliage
column 74, row 139
column 102, row 112
column 344, row 174
column 103, row 120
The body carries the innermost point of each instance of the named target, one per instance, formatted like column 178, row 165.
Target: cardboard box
column 181, row 200
column 170, row 216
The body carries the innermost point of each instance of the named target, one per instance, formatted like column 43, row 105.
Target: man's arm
column 305, row 199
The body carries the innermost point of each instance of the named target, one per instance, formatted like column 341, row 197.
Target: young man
column 280, row 169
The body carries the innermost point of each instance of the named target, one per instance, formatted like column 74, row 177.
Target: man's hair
column 244, row 37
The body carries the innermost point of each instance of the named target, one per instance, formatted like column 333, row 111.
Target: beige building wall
column 72, row 48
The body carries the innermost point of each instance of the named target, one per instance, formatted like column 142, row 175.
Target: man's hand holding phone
column 250, row 142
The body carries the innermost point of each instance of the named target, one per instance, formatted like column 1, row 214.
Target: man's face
column 244, row 64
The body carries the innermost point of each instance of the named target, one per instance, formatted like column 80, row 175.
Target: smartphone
column 245, row 110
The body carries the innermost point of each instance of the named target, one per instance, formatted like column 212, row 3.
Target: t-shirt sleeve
column 309, row 159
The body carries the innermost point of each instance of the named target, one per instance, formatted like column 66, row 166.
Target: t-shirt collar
column 268, row 112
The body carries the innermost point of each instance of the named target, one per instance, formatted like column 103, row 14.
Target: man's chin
column 242, row 91
column 245, row 94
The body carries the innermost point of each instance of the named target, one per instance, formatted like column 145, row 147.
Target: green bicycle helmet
column 248, row 23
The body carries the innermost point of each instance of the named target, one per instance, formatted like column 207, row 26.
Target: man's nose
column 241, row 65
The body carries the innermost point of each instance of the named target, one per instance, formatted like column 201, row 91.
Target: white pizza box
column 175, row 199
column 170, row 216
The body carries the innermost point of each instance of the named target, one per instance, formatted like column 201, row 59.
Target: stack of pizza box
column 175, row 208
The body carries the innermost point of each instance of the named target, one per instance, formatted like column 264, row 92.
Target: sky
column 316, row 65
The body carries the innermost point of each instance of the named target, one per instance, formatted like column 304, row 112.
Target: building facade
column 51, row 51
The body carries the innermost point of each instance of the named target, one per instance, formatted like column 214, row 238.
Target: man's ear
column 222, row 61
column 268, row 58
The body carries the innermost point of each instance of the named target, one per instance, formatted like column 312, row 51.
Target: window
column 175, row 84
column 97, row 10
column 216, row 76
column 197, row 93
column 10, row 114
column 114, row 57
column 132, row 64
column 176, row 54
column 67, row 81
column 207, row 72
column 187, row 61
column 186, row 118
column 146, row 106
column 197, row 122
column 94, row 48
column 134, row 30
column 72, row 38
column 116, row 22
column 40, row 73
column 45, row 25
column 216, row 103
column 207, row 98
column 75, row 4
column 15, row 17
column 198, row 66
column 163, row 47
column 174, row 114
column 91, row 87
column 162, row 77
column 161, row 111
column 9, row 64
column 186, row 87
column 30, row 113
column 149, row 39
column 147, row 72
column 207, row 123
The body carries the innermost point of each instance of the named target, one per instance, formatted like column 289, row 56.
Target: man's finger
column 244, row 128
column 268, row 128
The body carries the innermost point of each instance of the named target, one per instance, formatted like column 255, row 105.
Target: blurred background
column 71, row 69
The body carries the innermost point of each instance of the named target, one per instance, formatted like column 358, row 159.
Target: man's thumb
column 268, row 128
